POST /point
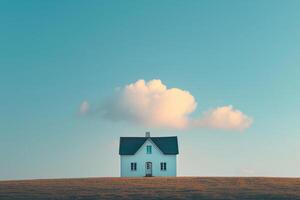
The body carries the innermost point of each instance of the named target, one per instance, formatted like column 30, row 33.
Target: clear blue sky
column 55, row 54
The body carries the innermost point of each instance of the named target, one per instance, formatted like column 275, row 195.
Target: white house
column 148, row 156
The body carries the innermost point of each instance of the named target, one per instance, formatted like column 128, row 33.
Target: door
column 148, row 168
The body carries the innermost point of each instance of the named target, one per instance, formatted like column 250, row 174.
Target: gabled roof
column 130, row 145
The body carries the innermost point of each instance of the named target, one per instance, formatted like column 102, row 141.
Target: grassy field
column 153, row 188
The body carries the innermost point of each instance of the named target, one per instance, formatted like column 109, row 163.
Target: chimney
column 147, row 134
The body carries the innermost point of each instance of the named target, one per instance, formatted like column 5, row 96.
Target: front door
column 148, row 168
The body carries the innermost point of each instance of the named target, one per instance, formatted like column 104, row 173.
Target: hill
column 153, row 188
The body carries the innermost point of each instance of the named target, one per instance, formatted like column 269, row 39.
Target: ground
column 153, row 188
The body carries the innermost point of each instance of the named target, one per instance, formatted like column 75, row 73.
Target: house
column 148, row 156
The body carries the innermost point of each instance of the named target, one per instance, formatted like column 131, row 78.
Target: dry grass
column 153, row 188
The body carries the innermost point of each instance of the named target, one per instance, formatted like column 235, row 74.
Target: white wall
column 141, row 157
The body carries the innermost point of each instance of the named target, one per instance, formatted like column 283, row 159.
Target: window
column 149, row 149
column 133, row 166
column 163, row 166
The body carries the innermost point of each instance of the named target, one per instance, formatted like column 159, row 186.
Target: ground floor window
column 163, row 166
column 133, row 166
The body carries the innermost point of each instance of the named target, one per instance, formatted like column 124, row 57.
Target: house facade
column 148, row 156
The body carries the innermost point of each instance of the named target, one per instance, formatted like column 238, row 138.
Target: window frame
column 163, row 166
column 149, row 149
column 133, row 166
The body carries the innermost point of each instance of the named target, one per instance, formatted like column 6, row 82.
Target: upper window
column 133, row 166
column 163, row 166
column 149, row 149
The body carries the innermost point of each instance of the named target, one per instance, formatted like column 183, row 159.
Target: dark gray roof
column 130, row 145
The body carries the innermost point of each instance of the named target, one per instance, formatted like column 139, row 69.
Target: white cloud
column 225, row 117
column 247, row 172
column 84, row 108
column 153, row 104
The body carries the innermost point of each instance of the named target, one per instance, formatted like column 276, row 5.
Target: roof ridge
column 130, row 145
column 149, row 137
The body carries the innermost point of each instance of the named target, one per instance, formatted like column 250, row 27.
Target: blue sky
column 56, row 54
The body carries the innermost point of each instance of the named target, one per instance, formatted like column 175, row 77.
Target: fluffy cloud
column 225, row 117
column 153, row 104
column 84, row 108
